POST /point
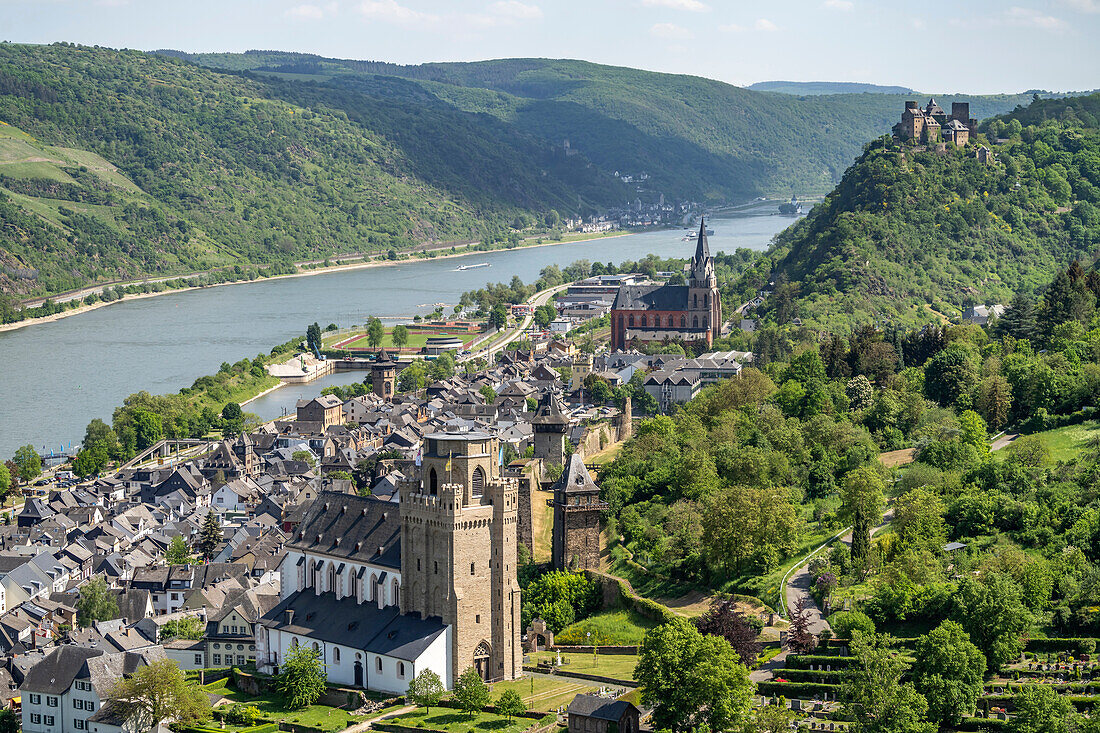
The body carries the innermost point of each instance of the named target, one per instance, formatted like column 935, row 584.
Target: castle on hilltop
column 933, row 125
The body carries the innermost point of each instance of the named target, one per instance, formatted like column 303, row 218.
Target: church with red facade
column 661, row 312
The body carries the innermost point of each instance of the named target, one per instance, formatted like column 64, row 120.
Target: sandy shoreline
column 321, row 271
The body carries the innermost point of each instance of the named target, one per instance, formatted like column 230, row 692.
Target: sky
column 973, row 46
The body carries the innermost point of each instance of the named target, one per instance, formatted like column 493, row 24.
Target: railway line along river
column 59, row 375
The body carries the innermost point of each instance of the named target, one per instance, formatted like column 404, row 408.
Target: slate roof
column 363, row 626
column 576, row 477
column 359, row 528
column 594, row 706
column 654, row 297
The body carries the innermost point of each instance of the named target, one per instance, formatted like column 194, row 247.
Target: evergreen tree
column 1019, row 320
column 211, row 535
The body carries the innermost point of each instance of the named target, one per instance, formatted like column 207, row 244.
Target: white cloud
column 763, row 24
column 1031, row 18
column 845, row 6
column 670, row 31
column 1084, row 6
column 516, row 10
column 306, row 11
column 390, row 11
column 692, row 6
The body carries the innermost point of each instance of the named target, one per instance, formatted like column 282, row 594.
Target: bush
column 846, row 622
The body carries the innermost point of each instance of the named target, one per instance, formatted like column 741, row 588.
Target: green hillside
column 696, row 138
column 115, row 164
column 826, row 87
column 911, row 234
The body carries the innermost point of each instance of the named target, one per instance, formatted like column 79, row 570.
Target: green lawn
column 619, row 666
column 624, row 627
column 417, row 339
column 271, row 708
column 1065, row 444
column 456, row 721
column 543, row 693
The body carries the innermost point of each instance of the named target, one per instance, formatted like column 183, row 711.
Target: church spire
column 702, row 249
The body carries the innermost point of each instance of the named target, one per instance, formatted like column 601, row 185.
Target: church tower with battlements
column 458, row 551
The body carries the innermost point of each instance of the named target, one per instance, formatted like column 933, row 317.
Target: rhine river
column 59, row 375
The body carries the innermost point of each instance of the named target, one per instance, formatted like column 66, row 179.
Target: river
column 61, row 374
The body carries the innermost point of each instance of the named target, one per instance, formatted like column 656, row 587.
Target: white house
column 65, row 689
column 341, row 596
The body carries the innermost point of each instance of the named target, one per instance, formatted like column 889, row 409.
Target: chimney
column 290, row 616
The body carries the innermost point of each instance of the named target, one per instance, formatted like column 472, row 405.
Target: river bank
column 305, row 273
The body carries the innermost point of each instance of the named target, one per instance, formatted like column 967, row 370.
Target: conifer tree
column 211, row 535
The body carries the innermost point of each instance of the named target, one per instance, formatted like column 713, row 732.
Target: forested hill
column 826, row 87
column 912, row 235
column 696, row 138
column 115, row 164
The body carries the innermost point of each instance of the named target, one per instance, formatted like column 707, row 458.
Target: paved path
column 366, row 724
column 1003, row 441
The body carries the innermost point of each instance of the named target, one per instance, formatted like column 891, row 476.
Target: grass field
column 619, row 666
column 1066, row 444
column 456, row 721
column 417, row 339
column 542, row 525
column 271, row 707
column 623, row 627
column 544, row 693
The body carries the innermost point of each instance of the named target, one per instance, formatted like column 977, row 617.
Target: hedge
column 980, row 724
column 807, row 675
column 799, row 690
column 803, row 661
column 1060, row 645
column 1081, row 702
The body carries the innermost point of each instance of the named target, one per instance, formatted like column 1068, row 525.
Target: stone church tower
column 383, row 375
column 577, row 512
column 704, row 306
column 551, row 430
column 458, row 552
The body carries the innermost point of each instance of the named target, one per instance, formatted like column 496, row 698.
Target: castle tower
column 577, row 512
column 551, row 430
column 458, row 552
column 704, row 307
column 383, row 375
column 582, row 367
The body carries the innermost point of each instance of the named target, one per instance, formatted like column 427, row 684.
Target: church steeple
column 702, row 265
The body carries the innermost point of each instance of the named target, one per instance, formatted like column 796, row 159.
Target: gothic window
column 695, row 300
column 706, row 321
column 433, row 482
column 670, row 321
column 706, row 300
column 644, row 324
column 683, row 322
column 632, row 320
column 695, row 321
column 477, row 483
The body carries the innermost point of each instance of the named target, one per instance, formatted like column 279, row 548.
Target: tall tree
column 28, row 462
column 177, row 553
column 400, row 335
column 426, row 689
column 948, row 671
column 95, row 603
column 471, row 693
column 875, row 697
column 691, row 679
column 210, row 536
column 950, row 373
column 862, row 496
column 918, row 520
column 722, row 619
column 375, row 333
column 155, row 692
column 313, row 337
column 992, row 612
column 1019, row 320
column 510, row 704
column 1040, row 709
column 799, row 637
column 301, row 678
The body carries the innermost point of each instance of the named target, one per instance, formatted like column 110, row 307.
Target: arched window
column 632, row 320
column 378, row 664
column 316, row 648
column 706, row 300
column 336, row 655
column 683, row 322
column 670, row 321
column 477, row 483
column 695, row 300
column 401, row 670
column 706, row 322
column 294, row 643
column 396, row 593
column 695, row 321
column 433, row 482
column 373, row 587
column 332, row 578
column 644, row 323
